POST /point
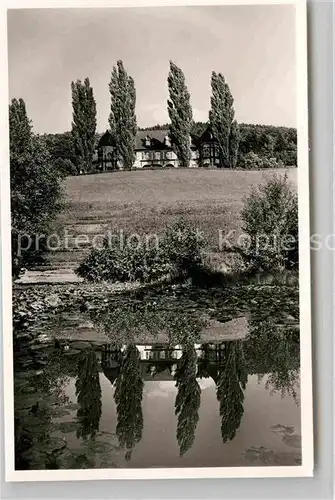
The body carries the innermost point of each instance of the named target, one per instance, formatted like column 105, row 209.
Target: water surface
column 176, row 378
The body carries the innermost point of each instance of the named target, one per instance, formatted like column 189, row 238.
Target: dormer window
column 167, row 141
column 147, row 141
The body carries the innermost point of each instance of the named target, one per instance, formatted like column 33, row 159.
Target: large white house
column 153, row 149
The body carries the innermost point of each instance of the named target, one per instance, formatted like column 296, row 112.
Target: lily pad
column 282, row 429
column 67, row 427
column 59, row 412
column 72, row 406
column 99, row 446
column 294, row 440
column 79, row 345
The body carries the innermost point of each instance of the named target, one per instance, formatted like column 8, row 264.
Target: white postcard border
column 304, row 470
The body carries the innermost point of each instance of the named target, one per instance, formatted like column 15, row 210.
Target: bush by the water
column 183, row 246
column 173, row 254
column 116, row 262
column 270, row 221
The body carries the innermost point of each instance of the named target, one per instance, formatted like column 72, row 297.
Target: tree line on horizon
column 262, row 140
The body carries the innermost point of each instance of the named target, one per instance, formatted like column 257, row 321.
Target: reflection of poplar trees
column 88, row 392
column 231, row 383
column 128, row 399
column 188, row 399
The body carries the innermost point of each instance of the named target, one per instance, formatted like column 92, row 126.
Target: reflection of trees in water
column 57, row 374
column 271, row 349
column 88, row 392
column 188, row 398
column 184, row 328
column 231, row 383
column 128, row 399
column 274, row 350
column 126, row 321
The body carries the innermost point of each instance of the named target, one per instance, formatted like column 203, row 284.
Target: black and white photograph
column 158, row 297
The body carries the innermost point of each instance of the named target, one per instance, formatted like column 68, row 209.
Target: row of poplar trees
column 123, row 124
column 230, row 379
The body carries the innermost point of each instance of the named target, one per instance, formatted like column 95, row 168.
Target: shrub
column 115, row 262
column 270, row 220
column 252, row 161
column 65, row 167
column 179, row 249
column 183, row 245
column 272, row 162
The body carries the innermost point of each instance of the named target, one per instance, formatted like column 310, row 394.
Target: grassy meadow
column 144, row 202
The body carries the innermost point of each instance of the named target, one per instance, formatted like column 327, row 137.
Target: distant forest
column 261, row 141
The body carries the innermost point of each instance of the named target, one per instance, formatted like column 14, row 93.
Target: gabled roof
column 106, row 140
column 111, row 373
column 157, row 137
column 207, row 135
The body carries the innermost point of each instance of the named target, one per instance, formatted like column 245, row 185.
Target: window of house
column 147, row 155
column 206, row 151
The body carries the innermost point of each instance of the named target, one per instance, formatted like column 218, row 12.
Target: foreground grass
column 145, row 202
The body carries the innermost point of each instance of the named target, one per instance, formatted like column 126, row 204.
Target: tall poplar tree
column 88, row 392
column 84, row 122
column 122, row 118
column 188, row 399
column 128, row 398
column 20, row 128
column 221, row 116
column 231, row 383
column 180, row 113
column 234, row 143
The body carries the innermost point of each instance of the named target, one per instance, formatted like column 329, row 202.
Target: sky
column 252, row 46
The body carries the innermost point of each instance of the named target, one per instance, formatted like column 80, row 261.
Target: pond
column 170, row 377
